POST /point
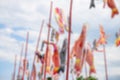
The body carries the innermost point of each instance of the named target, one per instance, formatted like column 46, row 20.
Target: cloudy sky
column 17, row 17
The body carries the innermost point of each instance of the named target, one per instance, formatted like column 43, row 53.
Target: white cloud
column 28, row 14
column 112, row 55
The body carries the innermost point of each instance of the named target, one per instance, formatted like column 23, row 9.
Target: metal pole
column 37, row 45
column 105, row 61
column 69, row 37
column 25, row 54
column 18, row 76
column 14, row 68
column 50, row 16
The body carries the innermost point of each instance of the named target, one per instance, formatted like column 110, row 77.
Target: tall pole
column 69, row 37
column 26, row 47
column 105, row 61
column 18, row 76
column 39, row 37
column 14, row 72
column 37, row 45
column 86, row 52
column 85, row 70
column 50, row 16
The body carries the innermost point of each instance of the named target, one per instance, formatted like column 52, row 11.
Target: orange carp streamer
column 112, row 6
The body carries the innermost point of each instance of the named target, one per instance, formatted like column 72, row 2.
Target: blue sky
column 18, row 17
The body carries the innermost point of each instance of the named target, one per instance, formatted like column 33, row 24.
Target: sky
column 17, row 17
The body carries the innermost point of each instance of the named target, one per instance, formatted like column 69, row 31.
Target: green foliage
column 92, row 78
column 89, row 78
column 80, row 78
column 49, row 78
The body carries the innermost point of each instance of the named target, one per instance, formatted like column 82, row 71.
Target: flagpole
column 69, row 37
column 85, row 70
column 39, row 37
column 50, row 16
column 14, row 73
column 105, row 62
column 37, row 45
column 86, row 52
column 18, row 76
column 25, row 54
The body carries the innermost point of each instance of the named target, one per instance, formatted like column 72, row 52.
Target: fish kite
column 95, row 46
column 63, row 55
column 89, row 58
column 117, row 41
column 55, row 58
column 52, row 35
column 103, row 37
column 92, row 4
column 62, row 23
column 48, row 58
column 111, row 4
column 78, row 48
